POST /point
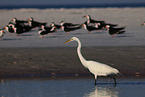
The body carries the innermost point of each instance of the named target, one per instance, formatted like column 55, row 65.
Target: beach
column 64, row 61
column 29, row 54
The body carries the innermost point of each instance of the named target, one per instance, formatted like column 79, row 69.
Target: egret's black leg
column 95, row 82
column 113, row 79
column 95, row 79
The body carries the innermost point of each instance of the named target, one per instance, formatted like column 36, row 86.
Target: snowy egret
column 98, row 69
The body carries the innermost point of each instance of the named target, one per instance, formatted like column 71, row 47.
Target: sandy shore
column 129, row 17
column 57, row 61
column 29, row 54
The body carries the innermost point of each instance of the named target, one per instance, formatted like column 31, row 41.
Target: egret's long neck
column 82, row 59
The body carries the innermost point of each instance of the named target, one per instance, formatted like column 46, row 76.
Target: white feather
column 98, row 69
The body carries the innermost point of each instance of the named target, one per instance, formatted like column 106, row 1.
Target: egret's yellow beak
column 68, row 41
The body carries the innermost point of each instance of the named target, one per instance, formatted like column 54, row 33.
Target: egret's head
column 72, row 39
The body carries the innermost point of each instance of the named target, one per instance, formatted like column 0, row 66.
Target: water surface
column 71, row 87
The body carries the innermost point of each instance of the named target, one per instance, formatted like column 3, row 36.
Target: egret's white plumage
column 98, row 69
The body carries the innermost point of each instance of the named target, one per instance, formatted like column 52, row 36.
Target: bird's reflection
column 2, row 81
column 102, row 91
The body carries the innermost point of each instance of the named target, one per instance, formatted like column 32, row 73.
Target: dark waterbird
column 2, row 32
column 34, row 24
column 9, row 28
column 90, row 28
column 43, row 32
column 68, row 29
column 90, row 20
column 113, row 31
column 56, row 25
column 16, row 21
column 62, row 23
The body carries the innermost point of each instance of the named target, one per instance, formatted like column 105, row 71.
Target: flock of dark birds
column 21, row 26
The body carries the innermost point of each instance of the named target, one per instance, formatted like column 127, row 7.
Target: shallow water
column 71, row 87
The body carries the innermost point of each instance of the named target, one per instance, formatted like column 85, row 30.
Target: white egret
column 98, row 69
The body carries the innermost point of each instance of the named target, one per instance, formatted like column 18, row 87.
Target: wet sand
column 64, row 61
column 30, row 55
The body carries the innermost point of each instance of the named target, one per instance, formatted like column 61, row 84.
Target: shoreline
column 31, row 55
column 16, row 62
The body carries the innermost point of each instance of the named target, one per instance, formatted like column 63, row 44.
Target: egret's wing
column 100, row 68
